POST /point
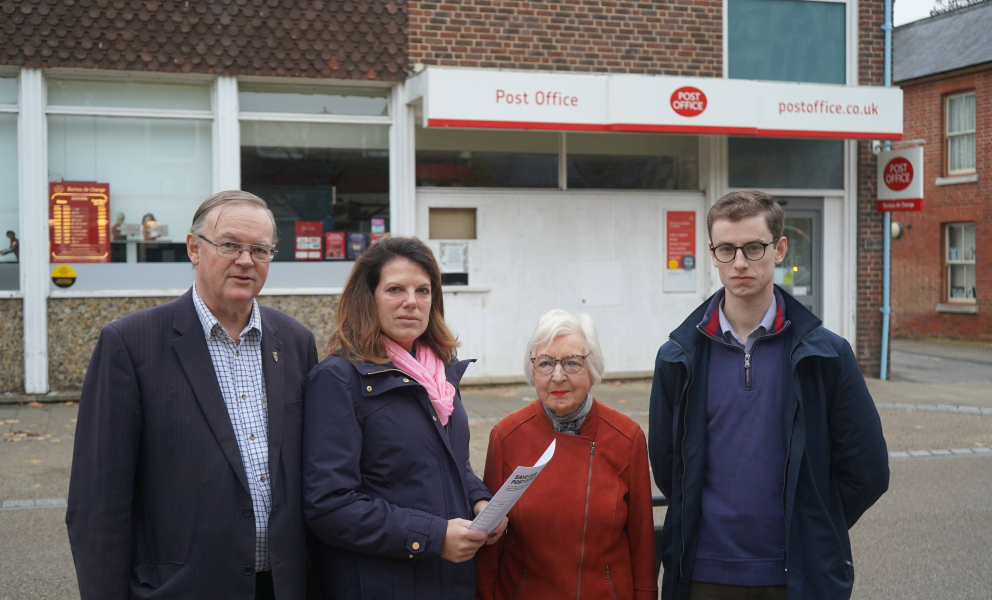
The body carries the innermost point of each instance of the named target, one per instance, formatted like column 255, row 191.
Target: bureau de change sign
column 900, row 180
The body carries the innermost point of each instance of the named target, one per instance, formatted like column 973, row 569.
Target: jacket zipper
column 788, row 452
column 747, row 355
column 585, row 520
column 520, row 586
column 610, row 579
column 685, row 433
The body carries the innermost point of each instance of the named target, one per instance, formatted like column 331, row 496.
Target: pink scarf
column 428, row 370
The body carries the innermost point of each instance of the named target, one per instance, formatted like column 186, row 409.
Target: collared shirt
column 239, row 374
column 767, row 324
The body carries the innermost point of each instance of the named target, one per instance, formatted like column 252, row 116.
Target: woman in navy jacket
column 388, row 490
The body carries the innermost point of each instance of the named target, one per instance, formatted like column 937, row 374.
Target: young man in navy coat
column 186, row 469
column 763, row 435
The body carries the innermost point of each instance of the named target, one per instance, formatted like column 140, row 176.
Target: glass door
column 801, row 273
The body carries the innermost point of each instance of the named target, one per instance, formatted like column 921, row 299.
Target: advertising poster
column 308, row 240
column 357, row 242
column 680, row 244
column 334, row 243
column 78, row 222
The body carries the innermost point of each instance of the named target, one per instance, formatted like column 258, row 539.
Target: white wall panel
column 538, row 250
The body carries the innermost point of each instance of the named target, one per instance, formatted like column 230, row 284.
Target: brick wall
column 674, row 37
column 919, row 275
column 871, row 65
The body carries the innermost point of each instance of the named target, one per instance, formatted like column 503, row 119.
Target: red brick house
column 942, row 265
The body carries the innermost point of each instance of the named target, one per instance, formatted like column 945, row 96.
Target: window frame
column 948, row 263
column 948, row 135
column 13, row 109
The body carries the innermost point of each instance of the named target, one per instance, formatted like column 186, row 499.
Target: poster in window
column 334, row 243
column 357, row 243
column 680, row 245
column 79, row 222
column 308, row 238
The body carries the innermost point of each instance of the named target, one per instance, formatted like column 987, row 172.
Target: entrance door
column 801, row 273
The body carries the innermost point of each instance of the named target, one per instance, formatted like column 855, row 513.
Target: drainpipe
column 887, row 216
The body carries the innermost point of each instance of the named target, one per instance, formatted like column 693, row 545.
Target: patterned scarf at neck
column 570, row 423
column 428, row 370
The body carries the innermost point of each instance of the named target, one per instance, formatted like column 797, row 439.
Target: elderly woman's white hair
column 558, row 322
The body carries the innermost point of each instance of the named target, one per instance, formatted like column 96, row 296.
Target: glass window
column 480, row 158
column 8, row 90
column 786, row 40
column 786, row 163
column 128, row 94
column 9, row 224
column 632, row 161
column 158, row 170
column 314, row 100
column 961, row 134
column 327, row 184
column 960, row 262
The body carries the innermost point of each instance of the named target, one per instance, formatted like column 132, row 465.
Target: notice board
column 78, row 222
column 680, row 251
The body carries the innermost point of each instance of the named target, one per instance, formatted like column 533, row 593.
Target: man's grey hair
column 229, row 198
column 558, row 322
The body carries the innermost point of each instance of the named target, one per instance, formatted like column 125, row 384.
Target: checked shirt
column 239, row 374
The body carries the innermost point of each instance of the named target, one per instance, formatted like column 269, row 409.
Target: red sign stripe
column 633, row 127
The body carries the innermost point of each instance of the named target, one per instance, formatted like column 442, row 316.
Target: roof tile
column 231, row 37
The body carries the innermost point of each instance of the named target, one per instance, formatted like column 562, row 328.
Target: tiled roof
column 947, row 42
column 346, row 39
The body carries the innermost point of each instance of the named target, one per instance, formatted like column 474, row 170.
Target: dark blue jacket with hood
column 381, row 479
column 836, row 464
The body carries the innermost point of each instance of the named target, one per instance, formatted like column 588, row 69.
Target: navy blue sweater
column 742, row 521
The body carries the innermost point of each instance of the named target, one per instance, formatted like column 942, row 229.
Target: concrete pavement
column 927, row 538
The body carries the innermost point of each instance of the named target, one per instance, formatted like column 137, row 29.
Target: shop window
column 960, row 239
column 479, row 158
column 622, row 161
column 768, row 163
column 787, row 40
column 8, row 91
column 9, row 224
column 141, row 179
column 327, row 184
column 158, row 171
column 961, row 134
column 313, row 100
column 128, row 94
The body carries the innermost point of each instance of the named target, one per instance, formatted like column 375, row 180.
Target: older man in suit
column 186, row 470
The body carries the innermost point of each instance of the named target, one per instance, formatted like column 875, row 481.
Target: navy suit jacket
column 158, row 499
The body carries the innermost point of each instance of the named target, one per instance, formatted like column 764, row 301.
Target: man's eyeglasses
column 726, row 253
column 545, row 365
column 260, row 253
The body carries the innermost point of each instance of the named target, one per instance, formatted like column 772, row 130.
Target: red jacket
column 585, row 528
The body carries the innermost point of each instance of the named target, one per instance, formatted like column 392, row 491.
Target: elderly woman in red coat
column 584, row 529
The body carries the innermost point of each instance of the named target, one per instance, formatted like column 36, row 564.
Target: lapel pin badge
column 275, row 356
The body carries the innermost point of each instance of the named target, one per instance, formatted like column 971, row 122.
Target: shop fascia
column 494, row 99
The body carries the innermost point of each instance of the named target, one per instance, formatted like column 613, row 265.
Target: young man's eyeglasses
column 258, row 252
column 753, row 251
column 545, row 365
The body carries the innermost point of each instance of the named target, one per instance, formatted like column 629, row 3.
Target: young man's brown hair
column 737, row 206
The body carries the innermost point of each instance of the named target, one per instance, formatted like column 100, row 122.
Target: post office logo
column 688, row 101
column 898, row 174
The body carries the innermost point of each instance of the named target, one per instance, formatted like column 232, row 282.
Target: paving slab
column 35, row 560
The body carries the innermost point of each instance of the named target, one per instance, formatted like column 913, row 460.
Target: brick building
column 942, row 265
column 590, row 135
